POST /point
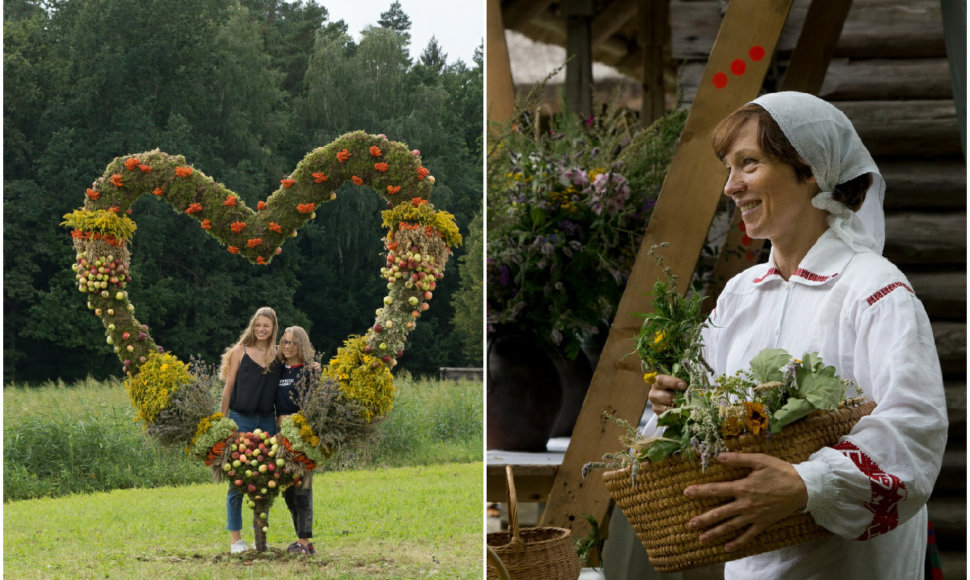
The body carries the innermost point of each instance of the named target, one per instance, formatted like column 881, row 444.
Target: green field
column 410, row 522
column 88, row 495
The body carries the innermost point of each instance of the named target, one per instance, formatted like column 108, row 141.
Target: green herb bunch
column 669, row 340
column 775, row 391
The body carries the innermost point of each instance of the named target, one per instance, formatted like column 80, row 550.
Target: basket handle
column 496, row 562
column 513, row 506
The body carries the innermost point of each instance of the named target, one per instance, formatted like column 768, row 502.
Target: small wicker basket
column 659, row 511
column 532, row 553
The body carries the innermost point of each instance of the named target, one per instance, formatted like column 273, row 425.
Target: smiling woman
column 771, row 191
column 826, row 289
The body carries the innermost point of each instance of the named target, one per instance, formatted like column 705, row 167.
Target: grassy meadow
column 404, row 522
column 87, row 494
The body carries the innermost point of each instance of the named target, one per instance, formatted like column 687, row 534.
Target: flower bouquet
column 567, row 207
column 781, row 406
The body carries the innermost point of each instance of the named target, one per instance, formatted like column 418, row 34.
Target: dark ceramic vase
column 523, row 393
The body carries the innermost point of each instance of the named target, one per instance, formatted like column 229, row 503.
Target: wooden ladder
column 734, row 75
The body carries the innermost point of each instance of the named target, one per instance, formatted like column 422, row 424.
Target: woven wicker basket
column 659, row 511
column 545, row 552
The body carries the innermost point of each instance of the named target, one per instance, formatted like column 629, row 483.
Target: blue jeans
column 246, row 424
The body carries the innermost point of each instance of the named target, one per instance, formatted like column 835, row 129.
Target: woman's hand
column 662, row 392
column 772, row 491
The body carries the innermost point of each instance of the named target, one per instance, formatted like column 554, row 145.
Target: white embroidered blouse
column 860, row 314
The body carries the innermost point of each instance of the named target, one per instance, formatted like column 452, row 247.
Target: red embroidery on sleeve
column 876, row 296
column 887, row 491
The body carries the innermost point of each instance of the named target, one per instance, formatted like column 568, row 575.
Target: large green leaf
column 662, row 449
column 818, row 384
column 766, row 365
column 793, row 410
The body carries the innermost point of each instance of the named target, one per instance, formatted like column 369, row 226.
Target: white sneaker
column 239, row 546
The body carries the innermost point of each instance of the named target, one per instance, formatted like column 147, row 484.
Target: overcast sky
column 458, row 25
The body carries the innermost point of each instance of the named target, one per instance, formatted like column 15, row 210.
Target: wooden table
column 534, row 472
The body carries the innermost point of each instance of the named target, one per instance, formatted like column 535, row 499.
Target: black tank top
column 255, row 391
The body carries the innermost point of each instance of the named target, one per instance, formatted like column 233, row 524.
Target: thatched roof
column 614, row 25
column 533, row 61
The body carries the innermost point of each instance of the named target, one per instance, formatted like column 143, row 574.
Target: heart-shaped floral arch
column 418, row 244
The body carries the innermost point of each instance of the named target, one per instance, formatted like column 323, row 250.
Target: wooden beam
column 654, row 31
column 816, row 45
column 955, row 36
column 682, row 217
column 874, row 29
column 913, row 78
column 501, row 90
column 915, row 129
column 532, row 482
column 517, row 13
column 614, row 17
column 553, row 31
column 579, row 55
column 806, row 72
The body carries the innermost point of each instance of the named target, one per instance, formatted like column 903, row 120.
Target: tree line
column 243, row 89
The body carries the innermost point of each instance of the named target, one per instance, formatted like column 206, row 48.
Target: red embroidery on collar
column 812, row 276
column 885, row 291
column 771, row 272
column 801, row 273
column 887, row 491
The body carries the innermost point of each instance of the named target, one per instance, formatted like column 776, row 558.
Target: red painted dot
column 738, row 66
column 756, row 53
column 720, row 80
column 741, row 225
column 745, row 240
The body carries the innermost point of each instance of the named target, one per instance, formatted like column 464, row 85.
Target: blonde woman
column 299, row 368
column 251, row 373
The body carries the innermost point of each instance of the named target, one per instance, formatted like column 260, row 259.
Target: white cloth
column 859, row 313
column 825, row 138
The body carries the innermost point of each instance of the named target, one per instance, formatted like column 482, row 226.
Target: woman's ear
column 811, row 185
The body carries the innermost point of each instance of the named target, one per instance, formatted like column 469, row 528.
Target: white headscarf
column 825, row 138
